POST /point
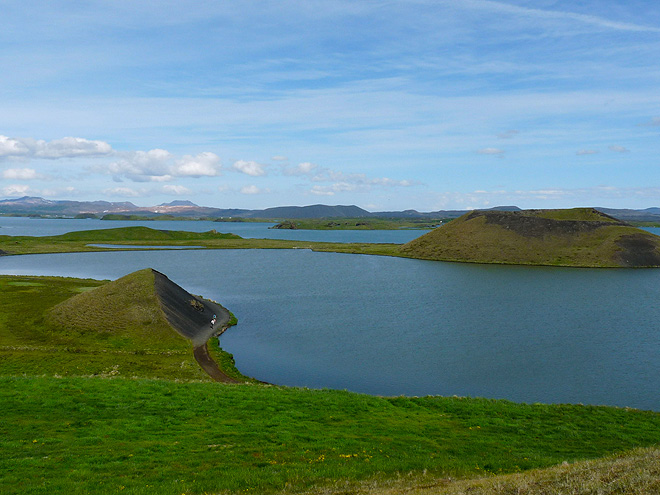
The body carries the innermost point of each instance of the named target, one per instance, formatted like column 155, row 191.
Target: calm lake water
column 396, row 326
column 248, row 230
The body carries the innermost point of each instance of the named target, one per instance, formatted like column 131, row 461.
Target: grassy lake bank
column 90, row 412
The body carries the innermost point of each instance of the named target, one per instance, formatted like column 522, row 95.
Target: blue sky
column 388, row 105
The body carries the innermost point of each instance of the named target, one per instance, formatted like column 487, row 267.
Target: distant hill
column 646, row 215
column 314, row 211
column 179, row 203
column 38, row 206
column 28, row 205
column 575, row 237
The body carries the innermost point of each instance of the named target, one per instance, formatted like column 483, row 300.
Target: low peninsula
column 578, row 237
column 142, row 308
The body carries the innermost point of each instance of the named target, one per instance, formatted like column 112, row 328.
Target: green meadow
column 82, row 435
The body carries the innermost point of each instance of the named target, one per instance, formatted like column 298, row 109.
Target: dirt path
column 191, row 317
column 207, row 363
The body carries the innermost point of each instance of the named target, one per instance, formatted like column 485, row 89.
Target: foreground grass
column 636, row 472
column 77, row 435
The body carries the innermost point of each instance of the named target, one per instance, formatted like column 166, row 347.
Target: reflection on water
column 396, row 326
column 132, row 246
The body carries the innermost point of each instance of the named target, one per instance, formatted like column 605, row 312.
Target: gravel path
column 191, row 317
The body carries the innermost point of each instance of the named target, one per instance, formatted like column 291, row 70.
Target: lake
column 248, row 230
column 393, row 326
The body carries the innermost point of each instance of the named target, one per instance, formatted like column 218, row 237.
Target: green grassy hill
column 127, row 308
column 575, row 237
column 71, row 327
column 142, row 234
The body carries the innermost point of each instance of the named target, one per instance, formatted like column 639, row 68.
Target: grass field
column 85, row 412
column 81, row 435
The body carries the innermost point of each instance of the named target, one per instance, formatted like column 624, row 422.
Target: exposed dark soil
column 533, row 226
column 191, row 317
column 638, row 251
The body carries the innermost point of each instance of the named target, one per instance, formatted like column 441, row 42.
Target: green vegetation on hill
column 127, row 308
column 359, row 223
column 577, row 237
column 72, row 327
column 142, row 234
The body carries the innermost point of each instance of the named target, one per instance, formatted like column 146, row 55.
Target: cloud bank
column 68, row 147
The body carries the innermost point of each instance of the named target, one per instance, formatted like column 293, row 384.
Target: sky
column 387, row 105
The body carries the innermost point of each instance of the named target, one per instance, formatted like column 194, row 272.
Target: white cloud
column 250, row 168
column 21, row 174
column 586, row 152
column 160, row 165
column 619, row 149
column 386, row 181
column 202, row 165
column 178, row 190
column 142, row 166
column 125, row 192
column 58, row 192
column 341, row 181
column 12, row 147
column 68, row 147
column 15, row 190
column 328, row 175
column 253, row 190
column 304, row 168
column 321, row 191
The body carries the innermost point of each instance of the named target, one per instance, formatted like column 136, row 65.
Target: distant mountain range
column 61, row 208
